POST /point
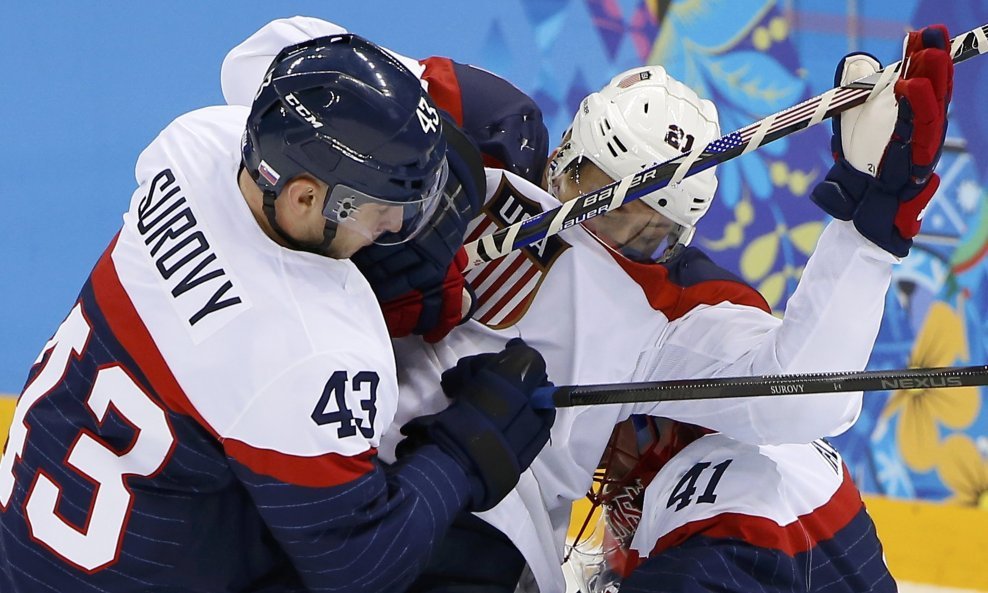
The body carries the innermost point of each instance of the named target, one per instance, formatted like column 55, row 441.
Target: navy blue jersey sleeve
column 505, row 123
column 851, row 561
column 373, row 533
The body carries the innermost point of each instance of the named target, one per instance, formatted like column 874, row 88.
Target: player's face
column 635, row 230
column 299, row 210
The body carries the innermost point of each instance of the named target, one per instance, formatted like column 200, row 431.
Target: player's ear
column 301, row 194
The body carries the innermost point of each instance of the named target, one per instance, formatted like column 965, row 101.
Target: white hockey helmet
column 641, row 118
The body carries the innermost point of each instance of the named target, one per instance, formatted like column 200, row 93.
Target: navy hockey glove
column 490, row 429
column 420, row 283
column 885, row 153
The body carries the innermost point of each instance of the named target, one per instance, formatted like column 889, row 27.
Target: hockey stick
column 778, row 125
column 564, row 396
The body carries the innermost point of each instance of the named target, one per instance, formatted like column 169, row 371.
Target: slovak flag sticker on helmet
column 269, row 174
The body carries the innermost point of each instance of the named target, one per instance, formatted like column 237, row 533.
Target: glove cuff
column 490, row 465
column 840, row 193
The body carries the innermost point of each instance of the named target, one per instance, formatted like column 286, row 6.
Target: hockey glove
column 490, row 429
column 420, row 283
column 886, row 150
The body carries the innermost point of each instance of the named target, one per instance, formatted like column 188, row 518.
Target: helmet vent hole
column 620, row 144
column 611, row 148
column 608, row 124
column 663, row 202
column 646, row 107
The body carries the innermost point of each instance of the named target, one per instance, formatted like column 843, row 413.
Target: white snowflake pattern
column 982, row 444
column 893, row 475
column 969, row 195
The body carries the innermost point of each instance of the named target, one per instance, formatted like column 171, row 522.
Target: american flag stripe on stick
column 783, row 123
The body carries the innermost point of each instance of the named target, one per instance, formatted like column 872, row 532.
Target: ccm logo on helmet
column 305, row 114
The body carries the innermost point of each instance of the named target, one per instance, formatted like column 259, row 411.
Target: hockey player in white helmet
column 642, row 117
column 719, row 532
column 685, row 509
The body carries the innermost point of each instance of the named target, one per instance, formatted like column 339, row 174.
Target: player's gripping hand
column 886, row 150
column 420, row 286
column 490, row 429
column 420, row 283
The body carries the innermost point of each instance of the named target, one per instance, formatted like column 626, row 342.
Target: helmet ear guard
column 641, row 118
column 346, row 112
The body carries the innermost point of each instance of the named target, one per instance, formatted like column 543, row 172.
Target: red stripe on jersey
column 805, row 532
column 484, row 227
column 508, row 267
column 133, row 335
column 320, row 471
column 490, row 268
column 504, row 300
column 444, row 87
column 520, row 309
column 674, row 301
column 493, row 163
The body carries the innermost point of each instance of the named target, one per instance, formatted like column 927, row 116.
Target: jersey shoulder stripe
column 806, row 532
column 505, row 123
column 121, row 316
column 691, row 279
column 130, row 330
column 443, row 86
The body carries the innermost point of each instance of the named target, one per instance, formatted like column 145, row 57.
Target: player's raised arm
column 885, row 153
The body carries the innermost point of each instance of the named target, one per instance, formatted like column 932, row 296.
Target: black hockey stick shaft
column 778, row 125
column 564, row 396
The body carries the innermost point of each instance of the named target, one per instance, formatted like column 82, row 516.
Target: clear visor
column 638, row 232
column 383, row 221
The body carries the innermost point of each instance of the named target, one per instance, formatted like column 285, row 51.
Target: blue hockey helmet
column 344, row 111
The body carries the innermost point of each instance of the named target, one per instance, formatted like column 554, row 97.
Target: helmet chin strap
column 328, row 232
column 320, row 248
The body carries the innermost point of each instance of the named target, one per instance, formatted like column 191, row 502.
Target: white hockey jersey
column 207, row 416
column 233, row 312
column 597, row 319
column 726, row 515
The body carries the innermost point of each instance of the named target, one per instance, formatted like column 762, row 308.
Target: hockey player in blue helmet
column 330, row 112
column 207, row 416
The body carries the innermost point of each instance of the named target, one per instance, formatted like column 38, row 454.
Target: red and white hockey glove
column 432, row 311
column 886, row 150
column 420, row 283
